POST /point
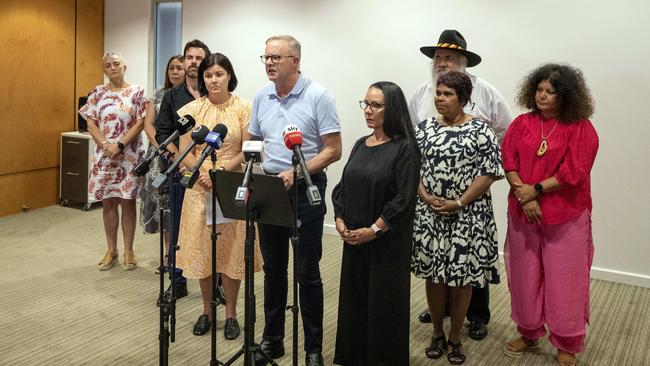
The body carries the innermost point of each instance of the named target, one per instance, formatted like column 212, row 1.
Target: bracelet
column 459, row 203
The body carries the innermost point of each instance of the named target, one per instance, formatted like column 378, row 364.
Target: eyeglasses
column 374, row 106
column 274, row 58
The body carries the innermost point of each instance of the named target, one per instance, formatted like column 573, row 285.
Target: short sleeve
column 580, row 155
column 326, row 115
column 509, row 153
column 89, row 110
column 140, row 103
column 254, row 122
column 489, row 156
column 245, row 114
column 188, row 109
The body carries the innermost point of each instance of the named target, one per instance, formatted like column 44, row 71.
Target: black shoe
column 181, row 291
column 477, row 330
column 314, row 359
column 221, row 296
column 273, row 349
column 202, row 325
column 231, row 329
column 424, row 317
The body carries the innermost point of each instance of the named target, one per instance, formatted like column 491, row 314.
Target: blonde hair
column 116, row 54
column 294, row 45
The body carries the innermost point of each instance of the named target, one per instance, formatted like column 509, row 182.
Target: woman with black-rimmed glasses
column 374, row 208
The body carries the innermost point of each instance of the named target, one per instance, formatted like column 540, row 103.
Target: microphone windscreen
column 199, row 133
column 292, row 136
column 221, row 129
column 216, row 137
column 185, row 124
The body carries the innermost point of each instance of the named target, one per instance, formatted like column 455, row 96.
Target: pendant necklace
column 543, row 147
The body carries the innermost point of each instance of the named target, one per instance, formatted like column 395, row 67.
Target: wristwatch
column 539, row 188
column 378, row 232
column 120, row 146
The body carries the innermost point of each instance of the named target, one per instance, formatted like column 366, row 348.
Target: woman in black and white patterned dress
column 455, row 236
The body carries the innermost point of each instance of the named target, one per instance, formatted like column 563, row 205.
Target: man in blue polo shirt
column 291, row 98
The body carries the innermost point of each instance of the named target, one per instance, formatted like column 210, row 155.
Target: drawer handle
column 72, row 142
column 71, row 173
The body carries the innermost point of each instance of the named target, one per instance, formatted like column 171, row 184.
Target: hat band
column 449, row 45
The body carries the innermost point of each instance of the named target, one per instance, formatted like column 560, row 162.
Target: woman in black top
column 374, row 207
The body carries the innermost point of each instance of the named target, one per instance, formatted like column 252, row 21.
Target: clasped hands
column 441, row 206
column 354, row 237
column 526, row 195
column 111, row 149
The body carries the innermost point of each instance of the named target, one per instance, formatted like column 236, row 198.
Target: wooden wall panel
column 37, row 95
column 90, row 46
column 31, row 189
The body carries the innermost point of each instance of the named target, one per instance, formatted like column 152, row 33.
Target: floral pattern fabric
column 115, row 112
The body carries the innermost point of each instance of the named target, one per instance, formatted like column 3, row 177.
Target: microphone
column 199, row 134
column 253, row 151
column 185, row 124
column 214, row 139
column 293, row 141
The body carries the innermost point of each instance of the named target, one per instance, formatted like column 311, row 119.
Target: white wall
column 127, row 26
column 347, row 45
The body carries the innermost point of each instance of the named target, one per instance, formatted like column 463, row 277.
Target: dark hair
column 397, row 121
column 195, row 43
column 460, row 82
column 221, row 60
column 168, row 83
column 574, row 101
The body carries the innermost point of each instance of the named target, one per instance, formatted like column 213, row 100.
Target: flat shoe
column 231, row 329
column 129, row 261
column 437, row 348
column 477, row 330
column 518, row 346
column 565, row 359
column 107, row 262
column 202, row 325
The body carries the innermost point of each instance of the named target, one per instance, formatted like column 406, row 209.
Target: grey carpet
column 56, row 308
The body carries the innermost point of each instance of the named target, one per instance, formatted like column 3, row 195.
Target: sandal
column 518, row 346
column 129, row 261
column 455, row 357
column 565, row 359
column 437, row 348
column 107, row 262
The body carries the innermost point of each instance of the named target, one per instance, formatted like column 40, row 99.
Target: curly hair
column 574, row 101
column 460, row 82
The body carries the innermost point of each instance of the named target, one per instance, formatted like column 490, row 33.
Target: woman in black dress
column 374, row 206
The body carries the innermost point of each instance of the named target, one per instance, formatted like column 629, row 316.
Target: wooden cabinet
column 76, row 163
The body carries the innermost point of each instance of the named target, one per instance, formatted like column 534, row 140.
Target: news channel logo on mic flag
column 214, row 139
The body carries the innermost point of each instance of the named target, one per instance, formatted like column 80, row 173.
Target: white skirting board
column 628, row 278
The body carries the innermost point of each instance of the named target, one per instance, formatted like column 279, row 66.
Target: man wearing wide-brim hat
column 450, row 53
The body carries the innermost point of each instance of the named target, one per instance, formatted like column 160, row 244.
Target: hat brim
column 472, row 58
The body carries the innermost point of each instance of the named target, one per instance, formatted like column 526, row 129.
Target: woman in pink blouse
column 547, row 155
column 115, row 112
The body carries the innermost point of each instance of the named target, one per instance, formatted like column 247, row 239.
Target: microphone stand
column 213, row 290
column 163, row 337
column 295, row 242
column 250, row 348
column 167, row 306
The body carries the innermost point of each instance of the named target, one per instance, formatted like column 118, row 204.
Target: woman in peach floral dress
column 216, row 105
column 115, row 112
